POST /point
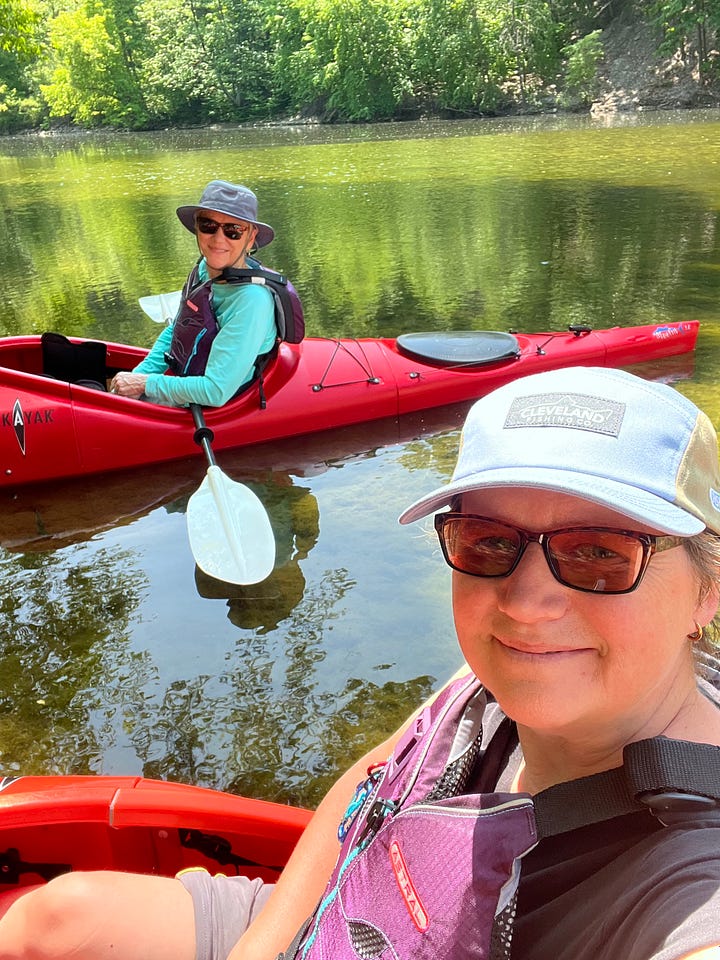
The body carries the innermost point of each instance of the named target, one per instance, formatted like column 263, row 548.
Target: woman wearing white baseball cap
column 582, row 525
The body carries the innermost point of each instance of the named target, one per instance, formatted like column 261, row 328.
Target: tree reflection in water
column 266, row 727
column 93, row 683
column 66, row 661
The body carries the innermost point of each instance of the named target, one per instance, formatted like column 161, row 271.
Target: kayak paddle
column 229, row 530
column 162, row 307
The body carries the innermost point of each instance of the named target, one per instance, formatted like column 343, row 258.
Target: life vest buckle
column 676, row 807
column 376, row 816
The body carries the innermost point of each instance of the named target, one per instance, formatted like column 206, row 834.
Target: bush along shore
column 145, row 64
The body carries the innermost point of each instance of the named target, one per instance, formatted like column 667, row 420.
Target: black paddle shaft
column 203, row 435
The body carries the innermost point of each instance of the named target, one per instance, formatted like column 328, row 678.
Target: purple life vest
column 195, row 326
column 194, row 329
column 426, row 872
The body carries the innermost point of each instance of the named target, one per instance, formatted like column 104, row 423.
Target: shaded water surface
column 117, row 655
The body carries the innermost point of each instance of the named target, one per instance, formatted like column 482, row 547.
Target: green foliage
column 20, row 49
column 209, row 62
column 20, row 105
column 92, row 77
column 18, row 110
column 689, row 23
column 583, row 57
column 476, row 56
column 142, row 63
column 582, row 16
column 351, row 57
column 679, row 18
column 524, row 42
column 18, row 24
column 453, row 59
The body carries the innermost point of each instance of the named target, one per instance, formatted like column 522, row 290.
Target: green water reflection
column 534, row 230
column 63, row 629
column 117, row 655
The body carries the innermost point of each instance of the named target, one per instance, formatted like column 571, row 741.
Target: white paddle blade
column 230, row 534
column 162, row 307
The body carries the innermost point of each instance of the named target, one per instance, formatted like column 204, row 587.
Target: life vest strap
column 675, row 780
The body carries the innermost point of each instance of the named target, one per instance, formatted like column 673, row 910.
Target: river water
column 118, row 656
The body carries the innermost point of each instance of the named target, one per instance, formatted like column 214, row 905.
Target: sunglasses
column 590, row 559
column 233, row 231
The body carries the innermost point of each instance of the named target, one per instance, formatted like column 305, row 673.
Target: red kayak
column 52, row 825
column 55, row 428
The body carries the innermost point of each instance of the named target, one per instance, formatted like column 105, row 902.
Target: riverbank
column 633, row 76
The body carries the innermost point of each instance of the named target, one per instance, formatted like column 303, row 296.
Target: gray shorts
column 224, row 908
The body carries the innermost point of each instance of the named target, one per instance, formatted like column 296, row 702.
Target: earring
column 697, row 635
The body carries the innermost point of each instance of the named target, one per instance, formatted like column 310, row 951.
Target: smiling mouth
column 530, row 650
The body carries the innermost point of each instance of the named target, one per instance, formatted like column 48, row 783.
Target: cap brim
column 638, row 505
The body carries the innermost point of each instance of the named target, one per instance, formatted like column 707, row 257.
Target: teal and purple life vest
column 195, row 326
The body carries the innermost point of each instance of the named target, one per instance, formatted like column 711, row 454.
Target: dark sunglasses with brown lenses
column 233, row 231
column 590, row 559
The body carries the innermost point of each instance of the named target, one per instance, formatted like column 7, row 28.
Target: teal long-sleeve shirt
column 246, row 317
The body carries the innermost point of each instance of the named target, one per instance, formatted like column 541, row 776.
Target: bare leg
column 99, row 916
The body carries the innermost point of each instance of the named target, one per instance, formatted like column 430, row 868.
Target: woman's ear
column 707, row 605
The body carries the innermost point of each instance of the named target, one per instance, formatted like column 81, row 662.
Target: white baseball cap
column 607, row 436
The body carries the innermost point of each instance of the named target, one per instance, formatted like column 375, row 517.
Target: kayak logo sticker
column 667, row 332
column 18, row 422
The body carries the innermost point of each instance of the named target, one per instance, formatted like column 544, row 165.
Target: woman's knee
column 99, row 915
column 52, row 920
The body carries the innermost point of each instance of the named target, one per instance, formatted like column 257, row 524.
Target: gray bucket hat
column 219, row 196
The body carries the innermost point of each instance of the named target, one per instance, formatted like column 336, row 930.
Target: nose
column 531, row 593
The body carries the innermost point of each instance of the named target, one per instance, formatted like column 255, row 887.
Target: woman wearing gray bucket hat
column 221, row 328
column 559, row 799
column 236, row 202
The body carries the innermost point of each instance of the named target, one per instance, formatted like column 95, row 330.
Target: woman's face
column 219, row 250
column 562, row 661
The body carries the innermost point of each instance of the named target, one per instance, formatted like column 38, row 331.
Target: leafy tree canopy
column 18, row 22
column 142, row 63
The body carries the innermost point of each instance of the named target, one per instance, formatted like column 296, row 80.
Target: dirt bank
column 632, row 75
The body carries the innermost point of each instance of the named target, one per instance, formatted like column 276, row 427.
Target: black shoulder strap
column 676, row 780
column 257, row 274
column 252, row 275
column 289, row 319
column 192, row 281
